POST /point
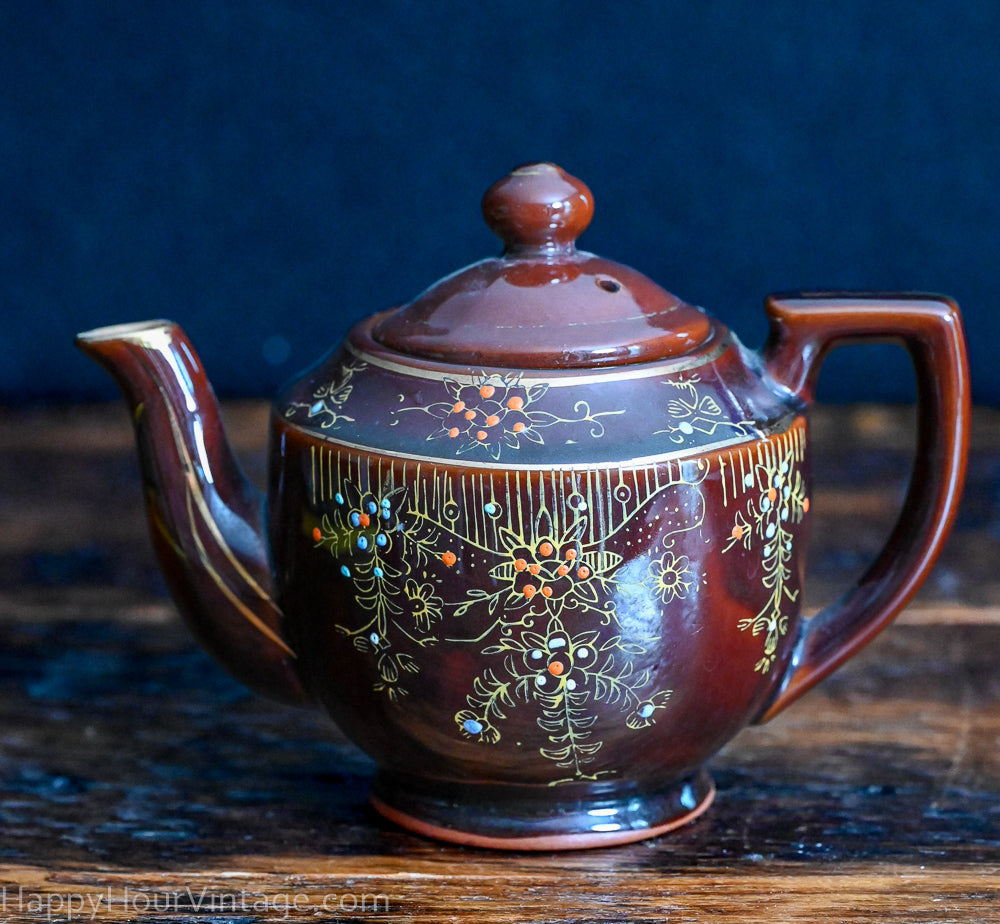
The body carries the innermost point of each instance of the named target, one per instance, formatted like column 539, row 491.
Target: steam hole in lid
column 609, row 285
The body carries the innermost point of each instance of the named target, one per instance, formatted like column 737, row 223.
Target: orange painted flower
column 549, row 572
column 491, row 412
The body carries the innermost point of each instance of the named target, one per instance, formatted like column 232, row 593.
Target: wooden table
column 141, row 783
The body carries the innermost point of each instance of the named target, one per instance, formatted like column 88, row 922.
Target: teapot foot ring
column 458, row 813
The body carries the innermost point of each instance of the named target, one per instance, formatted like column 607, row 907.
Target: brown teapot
column 535, row 540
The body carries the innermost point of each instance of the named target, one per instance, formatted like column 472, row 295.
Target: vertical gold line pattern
column 465, row 500
column 312, row 476
column 519, row 495
column 509, row 507
column 596, row 500
column 319, row 488
column 556, row 523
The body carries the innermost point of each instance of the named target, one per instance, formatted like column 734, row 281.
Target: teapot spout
column 205, row 518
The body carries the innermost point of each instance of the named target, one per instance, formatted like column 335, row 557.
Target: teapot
column 536, row 540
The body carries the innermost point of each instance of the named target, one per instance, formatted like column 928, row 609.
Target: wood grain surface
column 138, row 782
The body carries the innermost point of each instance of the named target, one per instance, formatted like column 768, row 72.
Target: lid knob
column 538, row 207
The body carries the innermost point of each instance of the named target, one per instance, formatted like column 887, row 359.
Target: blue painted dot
column 355, row 519
column 381, row 539
column 400, row 527
column 344, row 570
column 362, row 542
column 316, row 408
column 338, row 497
column 472, row 726
column 374, row 638
column 490, row 508
column 386, row 513
column 646, row 710
column 378, row 572
column 372, row 506
column 385, row 502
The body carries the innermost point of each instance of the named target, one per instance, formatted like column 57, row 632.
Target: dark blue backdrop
column 267, row 172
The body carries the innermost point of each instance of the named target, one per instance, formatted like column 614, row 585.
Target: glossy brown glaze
column 538, row 208
column 539, row 647
column 205, row 519
column 540, row 586
column 803, row 330
column 543, row 304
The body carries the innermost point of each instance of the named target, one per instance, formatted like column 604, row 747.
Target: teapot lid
column 543, row 304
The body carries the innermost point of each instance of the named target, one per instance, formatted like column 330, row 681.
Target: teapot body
column 552, row 581
column 536, row 539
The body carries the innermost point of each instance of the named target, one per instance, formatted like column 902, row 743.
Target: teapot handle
column 804, row 328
